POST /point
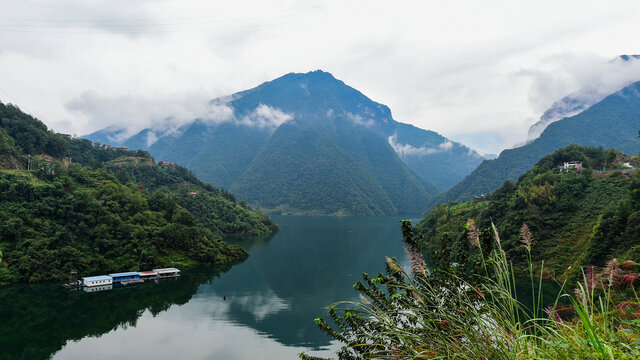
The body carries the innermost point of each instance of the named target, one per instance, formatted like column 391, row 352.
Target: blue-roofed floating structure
column 105, row 282
column 97, row 280
column 125, row 276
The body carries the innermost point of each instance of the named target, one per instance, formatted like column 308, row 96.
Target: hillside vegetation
column 100, row 210
column 310, row 144
column 476, row 308
column 577, row 218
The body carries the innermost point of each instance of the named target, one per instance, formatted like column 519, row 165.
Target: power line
column 203, row 23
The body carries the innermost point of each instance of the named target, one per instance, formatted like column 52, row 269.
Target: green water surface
column 260, row 309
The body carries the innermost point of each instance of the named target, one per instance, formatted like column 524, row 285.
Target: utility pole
column 29, row 163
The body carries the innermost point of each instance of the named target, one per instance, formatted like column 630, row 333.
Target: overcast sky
column 479, row 72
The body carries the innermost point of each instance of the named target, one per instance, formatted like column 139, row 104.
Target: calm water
column 271, row 301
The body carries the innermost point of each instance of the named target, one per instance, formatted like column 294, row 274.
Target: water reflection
column 37, row 320
column 263, row 308
column 97, row 288
column 311, row 263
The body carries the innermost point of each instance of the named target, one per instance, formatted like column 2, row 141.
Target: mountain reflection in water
column 263, row 308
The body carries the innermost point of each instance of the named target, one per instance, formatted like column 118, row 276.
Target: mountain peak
column 314, row 74
column 629, row 57
column 315, row 77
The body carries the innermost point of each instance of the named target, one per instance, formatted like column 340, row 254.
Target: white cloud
column 404, row 150
column 134, row 113
column 458, row 68
column 265, row 116
column 151, row 138
column 356, row 118
column 330, row 113
column 593, row 79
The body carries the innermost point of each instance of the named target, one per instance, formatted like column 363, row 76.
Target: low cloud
column 360, row 120
column 567, row 85
column 128, row 115
column 404, row 150
column 151, row 138
column 265, row 116
column 134, row 113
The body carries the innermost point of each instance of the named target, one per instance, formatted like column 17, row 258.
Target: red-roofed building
column 165, row 165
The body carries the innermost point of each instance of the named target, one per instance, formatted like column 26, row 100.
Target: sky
column 477, row 72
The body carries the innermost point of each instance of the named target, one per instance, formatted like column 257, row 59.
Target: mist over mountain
column 622, row 71
column 610, row 123
column 308, row 143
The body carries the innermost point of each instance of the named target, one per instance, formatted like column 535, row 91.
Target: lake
column 260, row 309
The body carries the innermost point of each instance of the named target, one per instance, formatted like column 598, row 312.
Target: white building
column 97, row 280
column 167, row 272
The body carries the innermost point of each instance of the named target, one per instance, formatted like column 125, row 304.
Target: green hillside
column 213, row 208
column 311, row 174
column 611, row 123
column 100, row 210
column 577, row 218
column 371, row 164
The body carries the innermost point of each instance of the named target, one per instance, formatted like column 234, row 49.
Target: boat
column 99, row 280
column 148, row 275
column 125, row 276
column 106, row 282
column 167, row 273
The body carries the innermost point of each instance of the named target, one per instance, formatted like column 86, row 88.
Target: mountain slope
column 577, row 219
column 401, row 163
column 308, row 171
column 219, row 153
column 610, row 123
column 95, row 215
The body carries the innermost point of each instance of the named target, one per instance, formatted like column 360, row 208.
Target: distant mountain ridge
column 578, row 101
column 308, row 143
column 610, row 123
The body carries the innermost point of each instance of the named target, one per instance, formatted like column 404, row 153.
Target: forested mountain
column 308, row 143
column 577, row 218
column 610, row 123
column 69, row 204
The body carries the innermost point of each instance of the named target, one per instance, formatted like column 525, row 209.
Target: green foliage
column 309, row 173
column 577, row 219
column 92, row 154
column 86, row 220
column 29, row 135
column 211, row 207
column 477, row 314
column 332, row 158
column 302, row 170
column 106, row 210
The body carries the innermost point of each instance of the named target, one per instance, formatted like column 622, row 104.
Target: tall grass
column 454, row 313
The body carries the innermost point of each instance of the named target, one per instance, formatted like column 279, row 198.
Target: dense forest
column 70, row 204
column 578, row 218
column 211, row 207
column 310, row 144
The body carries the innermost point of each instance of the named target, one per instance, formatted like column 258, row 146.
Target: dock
column 106, row 282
